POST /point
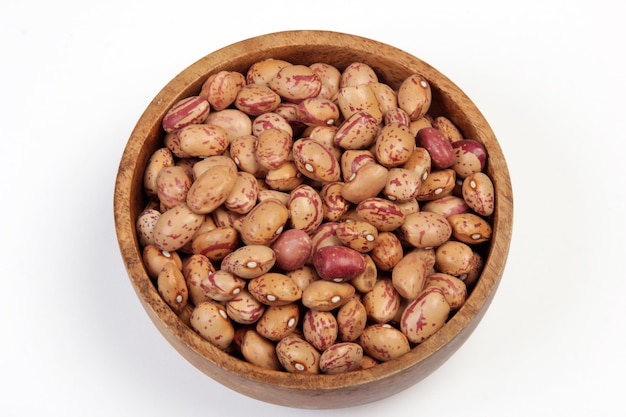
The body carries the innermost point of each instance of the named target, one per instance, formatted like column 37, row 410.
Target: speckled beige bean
column 319, row 328
column 420, row 162
column 284, row 178
column 297, row 355
column 478, row 193
column 367, row 182
column 303, row 276
column 256, row 99
column 244, row 308
column 425, row 229
column 261, row 72
column 454, row 258
column 173, row 184
column 221, row 88
column 216, row 243
column 243, row 196
column 211, row 189
column 387, row 252
column 352, row 160
column 209, row 320
column 415, row 96
column 357, row 73
column 196, row 271
column 381, row 213
column 203, row 140
column 470, row 228
column 386, row 97
column 357, row 131
column 160, row 159
column 446, row 206
column 365, row 281
column 447, row 128
column 145, row 226
column 358, row 235
column 402, row 185
column 408, row 275
column 249, row 261
column 243, row 152
column 271, row 120
column 453, row 288
column 193, row 109
column 274, row 289
column 314, row 161
column 382, row 302
column 325, row 295
column 340, row 358
column 397, row 115
column 264, row 222
column 416, row 125
column 439, row 183
column 351, row 320
column 384, row 342
column 394, row 145
column 317, row 111
column 352, row 99
column 425, row 315
column 278, row 321
column 334, row 206
column 295, row 83
column 235, row 122
column 155, row 259
column 330, row 76
column 306, row 212
column 259, row 351
column 175, row 227
column 324, row 135
column 204, row 164
column 273, row 147
column 172, row 287
column 325, row 235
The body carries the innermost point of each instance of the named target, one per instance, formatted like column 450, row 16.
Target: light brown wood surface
column 312, row 391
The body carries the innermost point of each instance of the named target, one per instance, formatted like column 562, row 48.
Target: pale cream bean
column 453, row 288
column 320, row 328
column 172, row 287
column 306, row 212
column 351, row 320
column 264, row 223
column 222, row 87
column 325, row 295
column 394, row 145
column 244, row 308
column 159, row 159
column 235, row 122
column 210, row 320
column 425, row 229
column 297, row 355
column 259, row 351
column 341, row 357
column 384, row 342
column 175, row 227
column 249, row 261
column 383, row 302
column 278, row 322
column 454, row 258
column 155, row 259
column 187, row 111
column 274, row 289
column 478, row 193
column 425, row 315
column 415, row 96
column 470, row 228
column 409, row 274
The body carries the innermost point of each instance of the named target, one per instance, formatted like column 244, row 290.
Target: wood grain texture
column 312, row 391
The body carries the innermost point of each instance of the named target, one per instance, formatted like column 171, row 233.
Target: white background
column 76, row 76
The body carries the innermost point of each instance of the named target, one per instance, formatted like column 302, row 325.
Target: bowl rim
column 223, row 365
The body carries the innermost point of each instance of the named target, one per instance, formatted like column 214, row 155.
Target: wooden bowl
column 295, row 390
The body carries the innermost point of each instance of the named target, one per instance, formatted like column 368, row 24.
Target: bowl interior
column 312, row 391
